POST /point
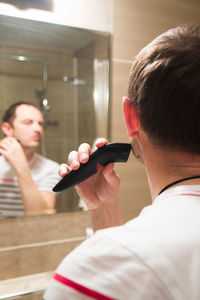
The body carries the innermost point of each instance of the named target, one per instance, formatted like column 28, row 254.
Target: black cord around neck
column 175, row 182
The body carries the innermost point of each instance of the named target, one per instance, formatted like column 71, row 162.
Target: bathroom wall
column 86, row 116
column 35, row 245
column 135, row 23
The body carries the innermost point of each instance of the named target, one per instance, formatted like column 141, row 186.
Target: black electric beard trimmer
column 113, row 152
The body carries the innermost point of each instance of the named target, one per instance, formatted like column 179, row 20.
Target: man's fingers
column 8, row 142
column 2, row 151
column 74, row 160
column 64, row 169
column 80, row 156
column 5, row 144
column 84, row 152
column 100, row 142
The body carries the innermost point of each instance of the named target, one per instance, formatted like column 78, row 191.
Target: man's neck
column 29, row 153
column 164, row 167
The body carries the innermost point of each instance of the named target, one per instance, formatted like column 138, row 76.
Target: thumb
column 112, row 178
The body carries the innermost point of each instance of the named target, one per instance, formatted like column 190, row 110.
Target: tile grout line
column 53, row 242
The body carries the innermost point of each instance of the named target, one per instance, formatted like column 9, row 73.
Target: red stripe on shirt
column 8, row 179
column 196, row 195
column 178, row 195
column 80, row 288
column 13, row 180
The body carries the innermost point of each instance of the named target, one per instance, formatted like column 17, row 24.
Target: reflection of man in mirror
column 26, row 178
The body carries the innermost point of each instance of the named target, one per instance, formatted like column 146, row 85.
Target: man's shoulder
column 148, row 251
column 2, row 159
column 38, row 158
column 152, row 235
column 43, row 168
column 106, row 257
column 5, row 167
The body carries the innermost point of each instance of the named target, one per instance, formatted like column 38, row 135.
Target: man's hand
column 13, row 152
column 35, row 201
column 100, row 190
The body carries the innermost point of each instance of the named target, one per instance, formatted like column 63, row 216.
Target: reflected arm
column 34, row 200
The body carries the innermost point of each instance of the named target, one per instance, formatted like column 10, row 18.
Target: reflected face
column 27, row 126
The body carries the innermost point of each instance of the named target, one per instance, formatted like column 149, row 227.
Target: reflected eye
column 27, row 122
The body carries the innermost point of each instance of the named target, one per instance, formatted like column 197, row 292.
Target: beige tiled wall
column 38, row 244
column 86, row 116
column 135, row 23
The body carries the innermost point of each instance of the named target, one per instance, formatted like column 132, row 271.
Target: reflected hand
column 13, row 152
column 101, row 188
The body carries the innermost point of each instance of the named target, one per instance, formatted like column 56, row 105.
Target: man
column 26, row 178
column 157, row 254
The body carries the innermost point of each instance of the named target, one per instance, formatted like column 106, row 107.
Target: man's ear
column 7, row 129
column 131, row 116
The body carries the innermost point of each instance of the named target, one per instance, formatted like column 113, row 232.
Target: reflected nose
column 38, row 127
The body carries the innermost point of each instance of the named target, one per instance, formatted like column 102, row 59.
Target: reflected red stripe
column 80, row 288
column 8, row 179
column 13, row 180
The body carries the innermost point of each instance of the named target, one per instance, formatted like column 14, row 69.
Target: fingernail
column 83, row 157
column 75, row 163
column 63, row 170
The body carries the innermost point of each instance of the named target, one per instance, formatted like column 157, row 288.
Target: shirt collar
column 181, row 190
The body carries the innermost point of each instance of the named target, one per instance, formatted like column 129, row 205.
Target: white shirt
column 44, row 173
column 155, row 256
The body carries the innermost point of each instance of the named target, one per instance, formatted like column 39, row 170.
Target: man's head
column 23, row 121
column 164, row 87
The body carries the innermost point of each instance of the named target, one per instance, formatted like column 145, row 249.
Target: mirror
column 64, row 71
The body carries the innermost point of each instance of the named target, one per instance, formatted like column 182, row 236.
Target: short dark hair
column 10, row 115
column 165, row 85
